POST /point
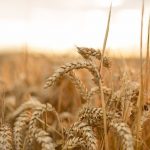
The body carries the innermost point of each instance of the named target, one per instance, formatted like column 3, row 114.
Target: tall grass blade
column 147, row 64
column 100, row 82
column 140, row 99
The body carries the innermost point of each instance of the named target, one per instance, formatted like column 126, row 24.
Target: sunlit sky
column 56, row 25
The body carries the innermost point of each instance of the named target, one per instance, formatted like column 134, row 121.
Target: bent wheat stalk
column 69, row 67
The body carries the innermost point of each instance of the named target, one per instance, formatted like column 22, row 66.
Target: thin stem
column 147, row 64
column 3, row 106
column 140, row 100
column 100, row 82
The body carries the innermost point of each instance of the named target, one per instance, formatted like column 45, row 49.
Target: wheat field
column 57, row 103
column 85, row 102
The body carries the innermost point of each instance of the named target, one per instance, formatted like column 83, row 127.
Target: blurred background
column 59, row 25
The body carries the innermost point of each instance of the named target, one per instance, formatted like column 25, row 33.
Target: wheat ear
column 6, row 137
column 95, row 90
column 124, row 132
column 84, row 131
column 43, row 138
column 30, row 104
column 34, row 119
column 75, row 143
column 94, row 116
column 20, row 126
column 80, row 86
column 88, row 52
column 69, row 67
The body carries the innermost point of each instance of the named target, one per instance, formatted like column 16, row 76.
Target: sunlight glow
column 58, row 29
column 106, row 3
column 12, row 32
column 126, row 30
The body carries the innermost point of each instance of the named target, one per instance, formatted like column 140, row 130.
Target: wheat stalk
column 147, row 65
column 140, row 101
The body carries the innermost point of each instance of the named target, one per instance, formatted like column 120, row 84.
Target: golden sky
column 60, row 24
